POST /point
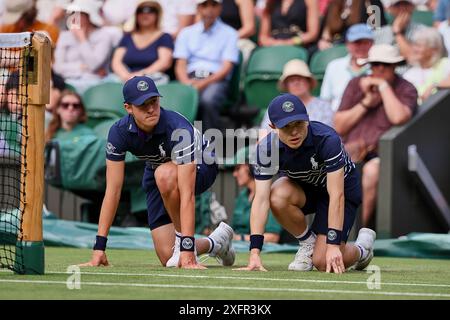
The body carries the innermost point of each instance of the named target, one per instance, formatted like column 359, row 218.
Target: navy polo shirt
column 321, row 152
column 155, row 148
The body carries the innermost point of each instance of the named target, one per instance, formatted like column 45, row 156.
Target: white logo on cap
column 142, row 85
column 288, row 106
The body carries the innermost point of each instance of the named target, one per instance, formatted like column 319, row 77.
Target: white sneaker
column 223, row 238
column 366, row 238
column 173, row 261
column 303, row 257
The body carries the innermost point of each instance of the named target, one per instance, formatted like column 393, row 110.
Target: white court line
column 250, row 278
column 256, row 279
column 151, row 285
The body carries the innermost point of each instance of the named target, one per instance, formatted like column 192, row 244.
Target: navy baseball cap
column 137, row 90
column 287, row 108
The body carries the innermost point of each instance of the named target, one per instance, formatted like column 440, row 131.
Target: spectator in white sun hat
column 83, row 53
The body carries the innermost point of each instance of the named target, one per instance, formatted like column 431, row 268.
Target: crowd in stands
column 383, row 59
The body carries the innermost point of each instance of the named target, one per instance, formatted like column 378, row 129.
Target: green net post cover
column 30, row 259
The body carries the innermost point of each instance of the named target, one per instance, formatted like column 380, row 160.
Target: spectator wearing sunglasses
column 69, row 118
column 370, row 106
column 146, row 50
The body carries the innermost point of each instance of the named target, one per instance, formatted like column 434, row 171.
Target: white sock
column 306, row 236
column 363, row 252
column 213, row 246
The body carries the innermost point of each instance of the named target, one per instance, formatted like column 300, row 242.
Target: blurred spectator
column 323, row 6
column 444, row 29
column 240, row 14
column 242, row 206
column 20, row 16
column 118, row 12
column 441, row 13
column 342, row 14
column 298, row 80
column 82, row 55
column 146, row 50
column 10, row 115
column 339, row 72
column 57, row 86
column 52, row 11
column 370, row 106
column 178, row 14
column 10, row 103
column 68, row 118
column 430, row 64
column 206, row 53
column 2, row 10
column 402, row 29
column 290, row 22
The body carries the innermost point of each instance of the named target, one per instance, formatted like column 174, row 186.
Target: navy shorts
column 157, row 214
column 317, row 201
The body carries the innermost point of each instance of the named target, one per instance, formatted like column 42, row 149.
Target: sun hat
column 295, row 67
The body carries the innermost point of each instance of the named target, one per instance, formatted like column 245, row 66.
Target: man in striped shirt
column 315, row 175
column 177, row 168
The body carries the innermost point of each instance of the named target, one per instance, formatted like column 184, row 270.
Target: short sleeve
column 166, row 41
column 116, row 147
column 266, row 158
column 231, row 50
column 333, row 153
column 408, row 95
column 124, row 42
column 181, row 48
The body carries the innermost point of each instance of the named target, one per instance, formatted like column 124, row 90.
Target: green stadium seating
column 104, row 102
column 320, row 61
column 234, row 89
column 272, row 59
column 101, row 130
column 264, row 69
column 181, row 98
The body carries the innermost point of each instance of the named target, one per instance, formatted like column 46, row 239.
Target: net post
column 38, row 78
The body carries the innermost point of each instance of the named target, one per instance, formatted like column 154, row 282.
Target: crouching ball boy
column 316, row 175
column 169, row 144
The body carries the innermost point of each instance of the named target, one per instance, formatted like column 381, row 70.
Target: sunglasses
column 377, row 64
column 66, row 105
column 146, row 9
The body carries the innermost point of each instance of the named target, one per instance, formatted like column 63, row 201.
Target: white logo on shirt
column 314, row 163
column 161, row 150
column 110, row 148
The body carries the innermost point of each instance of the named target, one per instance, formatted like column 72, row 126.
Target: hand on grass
column 98, row 259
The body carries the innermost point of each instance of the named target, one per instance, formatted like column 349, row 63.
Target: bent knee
column 278, row 199
column 371, row 170
column 166, row 177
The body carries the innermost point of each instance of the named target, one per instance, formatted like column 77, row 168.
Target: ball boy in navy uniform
column 170, row 145
column 316, row 176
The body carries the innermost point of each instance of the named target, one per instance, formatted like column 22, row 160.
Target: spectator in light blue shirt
column 206, row 53
column 442, row 11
